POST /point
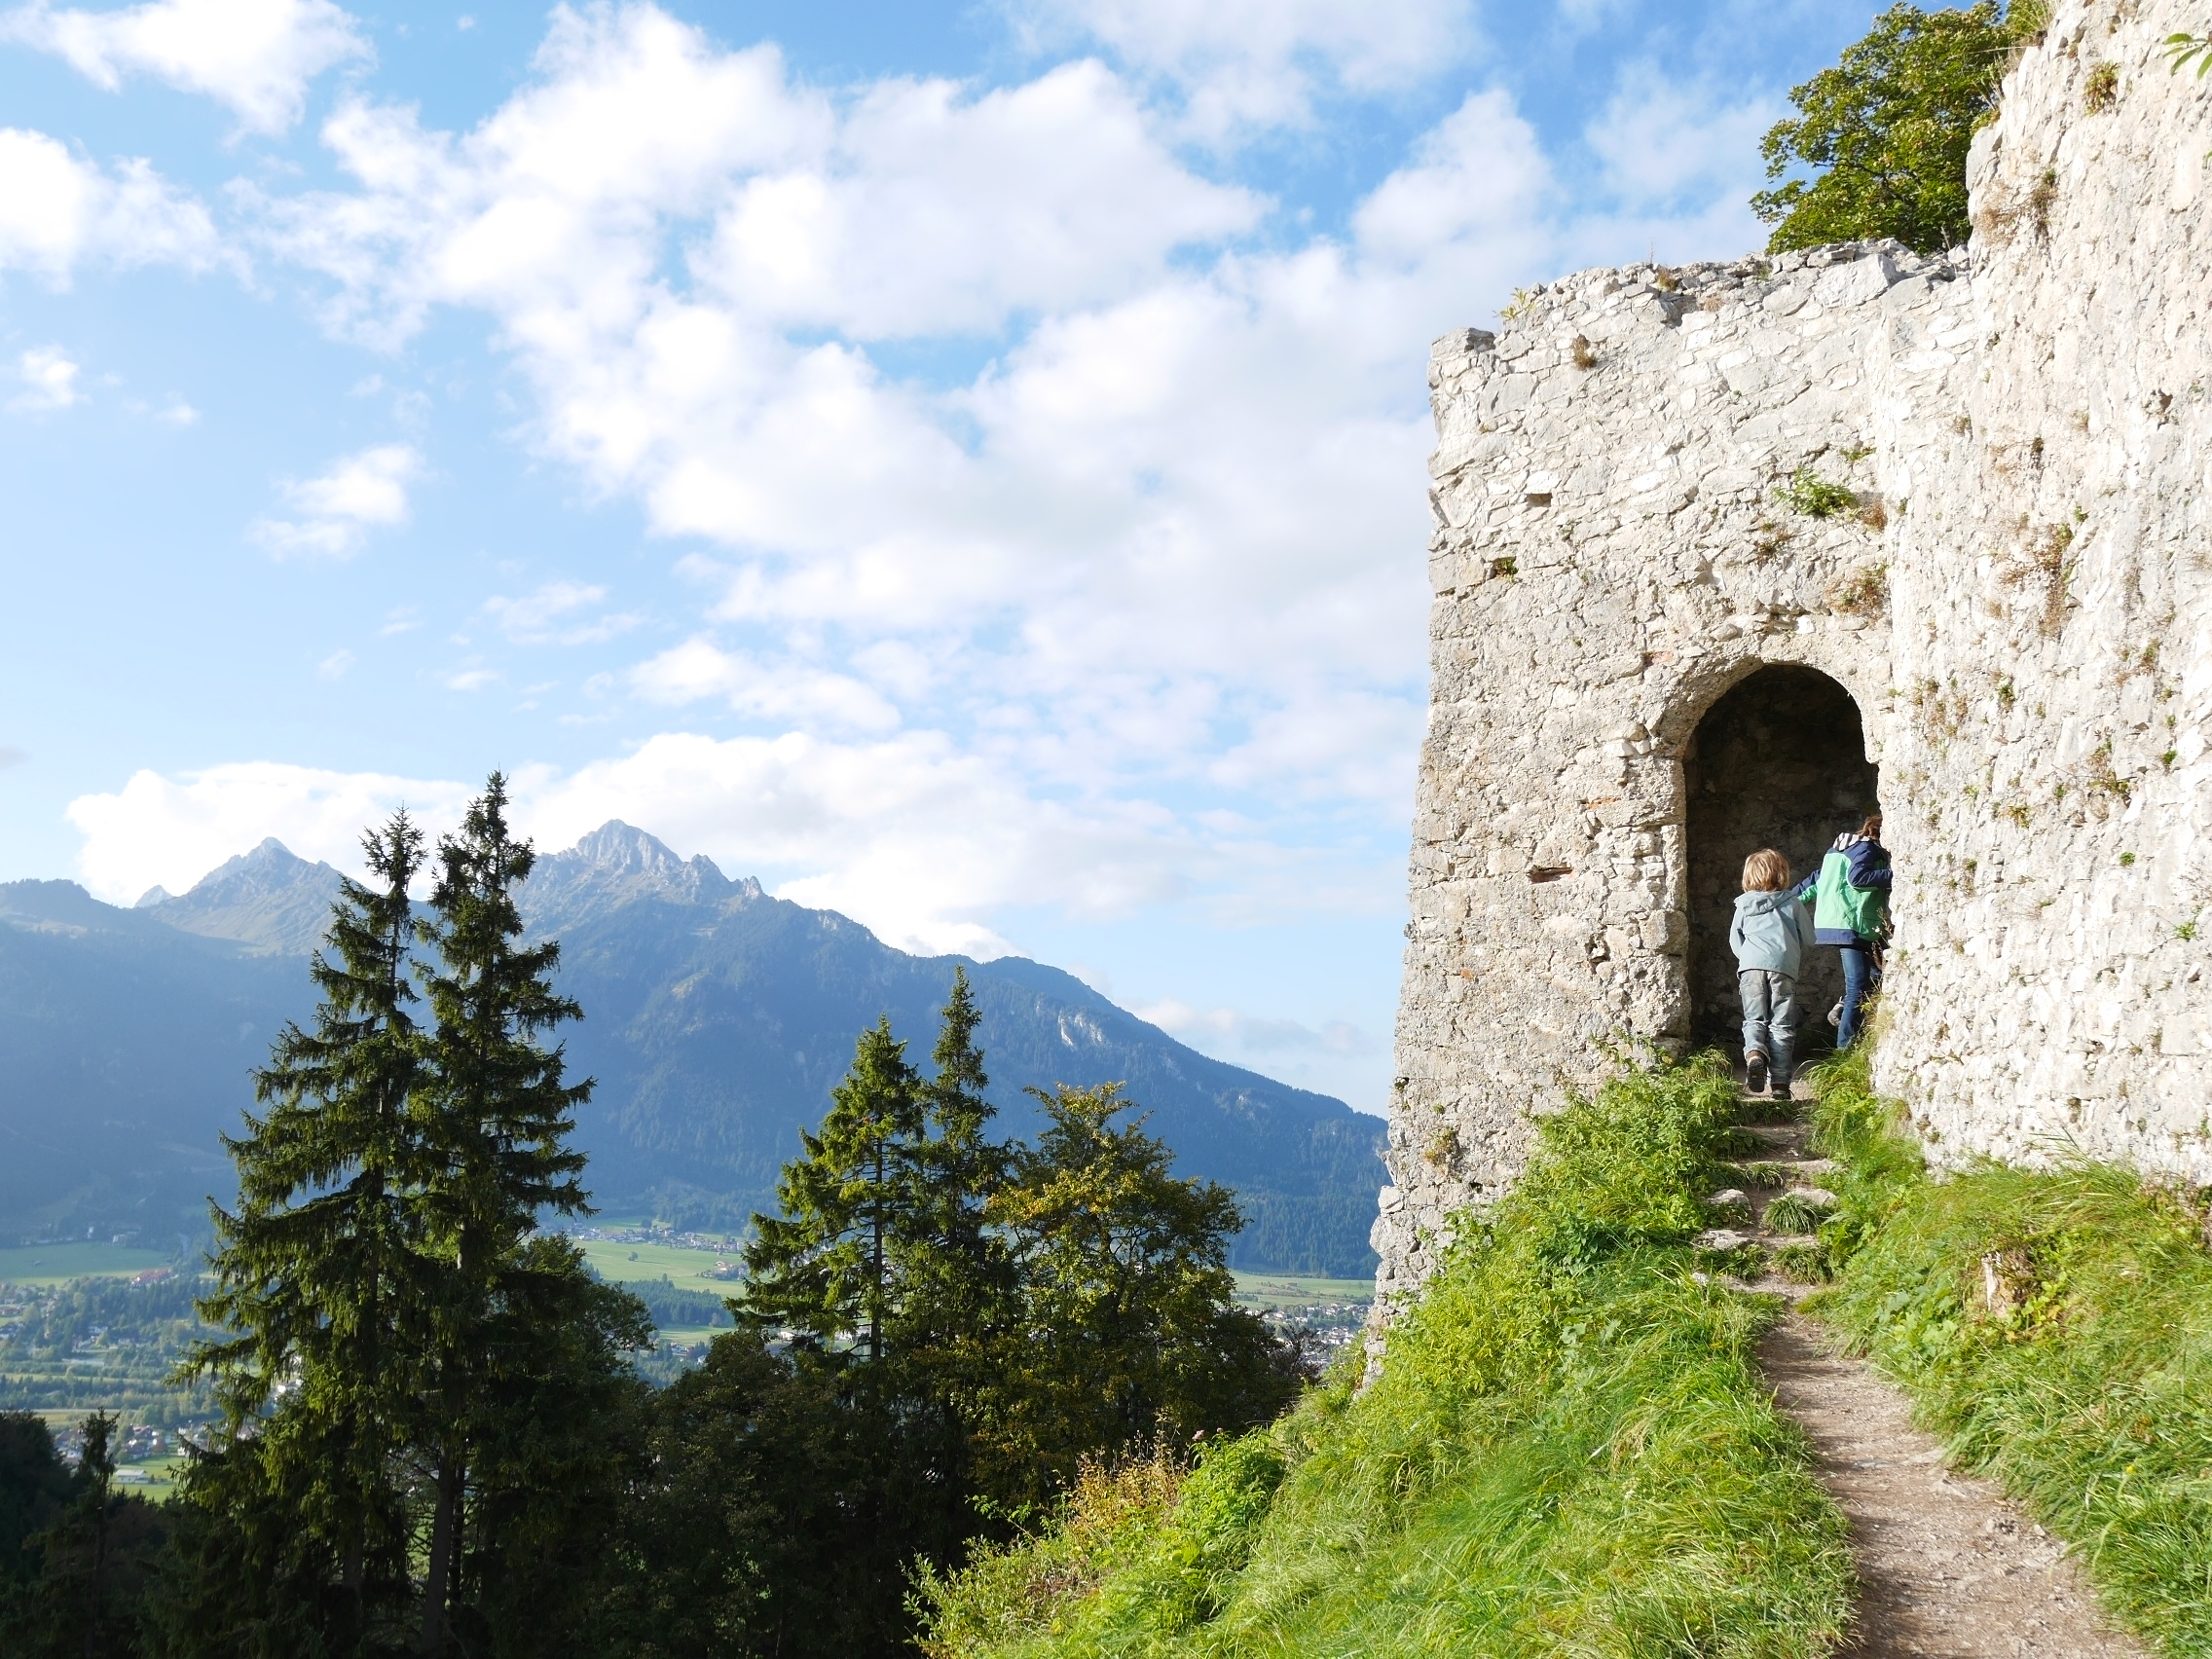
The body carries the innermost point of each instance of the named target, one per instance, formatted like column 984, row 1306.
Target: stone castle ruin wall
column 2012, row 621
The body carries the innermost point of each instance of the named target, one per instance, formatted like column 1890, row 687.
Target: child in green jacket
column 1850, row 895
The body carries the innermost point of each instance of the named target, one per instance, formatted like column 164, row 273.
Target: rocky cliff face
column 1965, row 490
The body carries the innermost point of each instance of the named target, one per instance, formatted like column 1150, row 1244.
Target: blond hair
column 1766, row 871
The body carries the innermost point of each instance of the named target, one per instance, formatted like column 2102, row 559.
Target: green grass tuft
column 1570, row 1451
column 1794, row 1212
column 2055, row 1329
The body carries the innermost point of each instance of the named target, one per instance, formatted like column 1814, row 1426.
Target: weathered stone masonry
column 2018, row 601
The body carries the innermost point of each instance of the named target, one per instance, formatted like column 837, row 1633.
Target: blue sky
column 960, row 464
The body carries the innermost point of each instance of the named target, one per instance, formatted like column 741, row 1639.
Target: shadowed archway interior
column 1779, row 761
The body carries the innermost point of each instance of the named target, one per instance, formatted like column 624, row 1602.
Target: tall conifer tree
column 957, row 1277
column 824, row 1268
column 319, row 1272
column 497, row 1110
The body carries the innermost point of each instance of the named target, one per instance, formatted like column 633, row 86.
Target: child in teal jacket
column 1850, row 895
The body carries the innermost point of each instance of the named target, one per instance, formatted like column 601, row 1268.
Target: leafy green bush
column 1569, row 1451
column 2055, row 1329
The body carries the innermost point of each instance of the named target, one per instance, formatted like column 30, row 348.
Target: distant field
column 155, row 1477
column 691, row 1334
column 623, row 1264
column 689, row 1269
column 1278, row 1290
column 50, row 1264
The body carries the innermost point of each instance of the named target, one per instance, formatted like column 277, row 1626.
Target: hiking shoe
column 1754, row 1073
column 1780, row 1092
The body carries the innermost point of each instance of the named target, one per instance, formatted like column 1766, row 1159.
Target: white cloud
column 932, row 213
column 548, row 212
column 334, row 665
column 548, row 615
column 58, row 209
column 1172, row 531
column 1661, row 139
column 913, row 838
column 159, row 831
column 361, row 492
column 255, row 56
column 920, row 841
column 48, row 378
column 1242, row 64
column 766, row 691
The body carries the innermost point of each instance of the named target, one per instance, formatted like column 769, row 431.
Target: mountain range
column 717, row 1021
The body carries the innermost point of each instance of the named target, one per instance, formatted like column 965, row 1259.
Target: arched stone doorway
column 1779, row 761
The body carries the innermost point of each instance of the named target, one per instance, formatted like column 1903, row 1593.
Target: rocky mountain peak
column 269, row 899
column 619, row 864
column 623, row 849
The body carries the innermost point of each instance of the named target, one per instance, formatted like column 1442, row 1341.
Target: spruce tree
column 319, row 1273
column 956, row 1280
column 823, row 1269
column 93, row 1564
column 496, row 1110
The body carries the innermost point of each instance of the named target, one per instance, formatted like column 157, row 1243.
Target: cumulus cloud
column 169, row 832
column 929, row 211
column 923, row 842
column 255, row 56
column 1167, row 542
column 336, row 511
column 1186, row 473
column 919, row 841
column 58, row 209
column 1250, row 64
column 777, row 691
column 1661, row 139
column 48, row 378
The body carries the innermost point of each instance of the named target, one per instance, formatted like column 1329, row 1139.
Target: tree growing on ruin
column 1884, row 134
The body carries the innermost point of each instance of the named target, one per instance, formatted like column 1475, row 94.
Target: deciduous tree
column 1128, row 1324
column 1884, row 134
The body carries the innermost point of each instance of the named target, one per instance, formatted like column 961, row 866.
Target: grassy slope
column 1570, row 1451
column 2092, row 1400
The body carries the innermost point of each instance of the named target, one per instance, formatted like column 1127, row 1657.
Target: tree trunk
column 437, row 1582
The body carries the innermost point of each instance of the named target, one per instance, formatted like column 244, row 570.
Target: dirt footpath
column 1946, row 1565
